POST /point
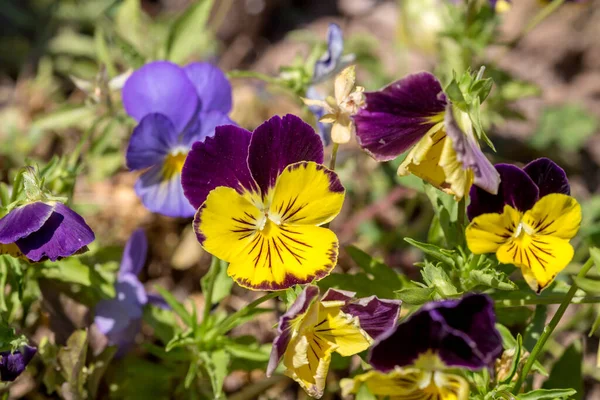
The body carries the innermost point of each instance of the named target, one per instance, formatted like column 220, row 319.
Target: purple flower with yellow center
column 261, row 198
column 449, row 333
column 529, row 223
column 414, row 114
column 175, row 107
column 44, row 231
column 120, row 318
column 311, row 330
column 12, row 364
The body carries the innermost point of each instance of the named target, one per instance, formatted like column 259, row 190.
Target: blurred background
column 57, row 59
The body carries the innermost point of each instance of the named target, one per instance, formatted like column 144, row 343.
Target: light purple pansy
column 395, row 118
column 376, row 316
column 520, row 188
column 175, row 107
column 43, row 231
column 13, row 364
column 120, row 318
column 461, row 333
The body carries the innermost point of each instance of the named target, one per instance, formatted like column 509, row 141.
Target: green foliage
column 566, row 373
column 556, row 120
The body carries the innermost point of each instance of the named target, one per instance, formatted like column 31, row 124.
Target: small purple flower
column 449, row 333
column 334, row 60
column 175, row 107
column 44, row 230
column 13, row 364
column 120, row 318
column 520, row 188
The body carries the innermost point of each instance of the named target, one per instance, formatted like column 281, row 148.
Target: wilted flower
column 12, row 364
column 120, row 318
column 528, row 223
column 339, row 110
column 409, row 384
column 261, row 197
column 449, row 333
column 414, row 112
column 44, row 230
column 175, row 107
column 311, row 330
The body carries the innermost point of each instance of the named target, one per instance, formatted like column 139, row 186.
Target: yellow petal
column 556, row 215
column 424, row 158
column 307, row 362
column 13, row 250
column 341, row 329
column 540, row 258
column 306, row 193
column 341, row 133
column 315, row 103
column 282, row 256
column 487, row 232
column 344, row 83
column 458, row 179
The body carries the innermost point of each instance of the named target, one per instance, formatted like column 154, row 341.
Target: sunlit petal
column 487, row 232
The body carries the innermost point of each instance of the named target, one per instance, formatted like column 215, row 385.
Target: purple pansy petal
column 152, row 139
column 23, row 221
column 134, row 254
column 114, row 315
column 462, row 332
column 203, row 125
column 161, row 87
column 63, row 234
column 548, row 176
column 328, row 64
column 470, row 155
column 158, row 301
column 13, row 364
column 337, row 295
column 516, row 189
column 473, row 316
column 396, row 117
column 376, row 316
column 212, row 86
column 163, row 196
column 125, row 339
column 284, row 330
column 278, row 143
column 217, row 161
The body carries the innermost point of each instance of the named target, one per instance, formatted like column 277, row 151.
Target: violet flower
column 44, row 230
column 120, row 318
column 175, row 107
column 12, row 364
column 449, row 333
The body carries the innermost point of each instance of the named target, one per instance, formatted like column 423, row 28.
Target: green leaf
column 567, row 371
column 455, row 95
column 216, row 365
column 162, row 321
column 595, row 254
column 415, row 296
column 440, row 254
column 547, row 394
column 588, row 284
column 103, row 52
column 189, row 34
column 535, row 327
column 130, row 23
column 435, row 276
column 557, row 120
column 97, row 368
column 365, row 394
column 72, row 361
column 492, row 278
column 81, row 117
column 177, row 307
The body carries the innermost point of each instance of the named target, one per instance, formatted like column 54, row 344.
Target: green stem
column 535, row 21
column 508, row 303
column 334, row 151
column 461, row 215
column 212, row 277
column 229, row 322
column 253, row 74
column 539, row 346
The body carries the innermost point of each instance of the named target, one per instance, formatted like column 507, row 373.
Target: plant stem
column 508, row 303
column 461, row 215
column 212, row 275
column 539, row 346
column 253, row 74
column 228, row 323
column 334, row 151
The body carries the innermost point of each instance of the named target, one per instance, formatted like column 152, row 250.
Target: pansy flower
column 175, row 107
column 333, row 60
column 43, row 230
column 449, row 333
column 409, row 384
column 120, row 318
column 414, row 113
column 261, row 198
column 528, row 223
column 311, row 330
column 12, row 364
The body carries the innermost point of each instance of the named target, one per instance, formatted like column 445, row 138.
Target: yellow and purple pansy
column 412, row 359
column 414, row 113
column 261, row 198
column 529, row 223
column 44, row 230
column 312, row 329
column 175, row 107
column 12, row 364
